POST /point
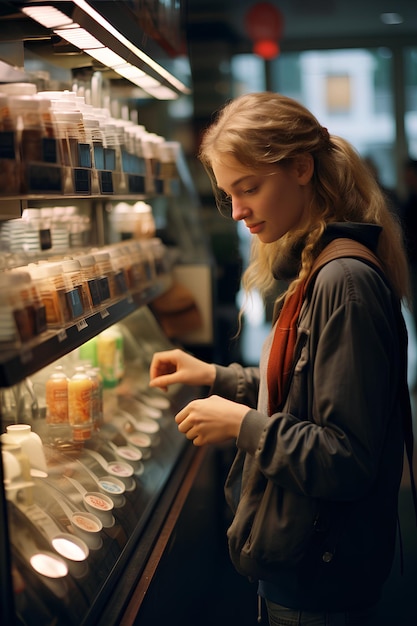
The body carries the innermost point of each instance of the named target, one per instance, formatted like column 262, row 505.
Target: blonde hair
column 263, row 130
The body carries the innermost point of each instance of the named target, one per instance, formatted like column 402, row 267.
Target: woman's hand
column 175, row 366
column 211, row 420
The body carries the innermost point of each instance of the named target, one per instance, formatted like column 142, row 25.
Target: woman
column 318, row 427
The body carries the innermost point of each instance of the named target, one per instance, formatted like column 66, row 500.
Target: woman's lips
column 255, row 228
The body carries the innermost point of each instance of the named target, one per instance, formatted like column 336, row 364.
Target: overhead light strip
column 79, row 37
column 48, row 16
column 84, row 6
column 74, row 33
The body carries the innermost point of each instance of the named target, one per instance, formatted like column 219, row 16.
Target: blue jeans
column 281, row 616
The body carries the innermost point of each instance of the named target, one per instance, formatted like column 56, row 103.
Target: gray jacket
column 314, row 487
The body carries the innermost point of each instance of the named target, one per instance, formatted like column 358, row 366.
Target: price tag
column 62, row 335
column 82, row 324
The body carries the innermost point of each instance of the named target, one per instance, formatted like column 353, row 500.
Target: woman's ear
column 304, row 165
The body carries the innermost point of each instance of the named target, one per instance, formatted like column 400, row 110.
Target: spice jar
column 77, row 291
column 53, row 293
column 106, row 276
column 89, row 273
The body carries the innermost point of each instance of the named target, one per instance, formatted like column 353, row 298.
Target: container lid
column 86, row 260
column 20, row 278
column 71, row 265
column 51, row 269
column 101, row 256
column 58, row 95
column 28, row 89
column 23, row 102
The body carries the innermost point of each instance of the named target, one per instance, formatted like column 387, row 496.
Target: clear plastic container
column 141, row 271
column 118, row 265
column 9, row 327
column 90, row 274
column 157, row 252
column 28, row 120
column 27, row 307
column 53, row 293
column 77, row 290
column 19, row 89
column 70, row 131
column 10, row 158
column 149, row 143
column 106, row 277
column 125, row 260
column 168, row 153
column 28, row 288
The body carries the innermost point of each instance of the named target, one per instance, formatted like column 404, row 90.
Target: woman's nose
column 239, row 211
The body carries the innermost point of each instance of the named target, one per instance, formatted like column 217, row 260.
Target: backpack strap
column 342, row 248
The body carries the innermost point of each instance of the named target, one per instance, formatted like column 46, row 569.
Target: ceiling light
column 47, row 16
column 105, row 56
column 162, row 93
column 142, row 56
column 108, row 46
column 128, row 71
column 79, row 37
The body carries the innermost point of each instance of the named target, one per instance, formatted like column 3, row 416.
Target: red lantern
column 264, row 24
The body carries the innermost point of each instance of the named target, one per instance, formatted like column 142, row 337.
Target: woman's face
column 270, row 204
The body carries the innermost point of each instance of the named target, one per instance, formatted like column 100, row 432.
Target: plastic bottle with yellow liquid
column 80, row 404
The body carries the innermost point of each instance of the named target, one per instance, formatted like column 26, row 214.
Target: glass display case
column 81, row 495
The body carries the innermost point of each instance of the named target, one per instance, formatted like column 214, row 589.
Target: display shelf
column 17, row 365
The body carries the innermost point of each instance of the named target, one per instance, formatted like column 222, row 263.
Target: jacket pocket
column 272, row 531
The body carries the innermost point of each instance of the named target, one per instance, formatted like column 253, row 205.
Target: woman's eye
column 251, row 190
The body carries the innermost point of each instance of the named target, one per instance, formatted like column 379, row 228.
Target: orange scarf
column 282, row 350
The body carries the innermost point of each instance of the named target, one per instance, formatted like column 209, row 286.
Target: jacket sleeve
column 237, row 383
column 342, row 411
